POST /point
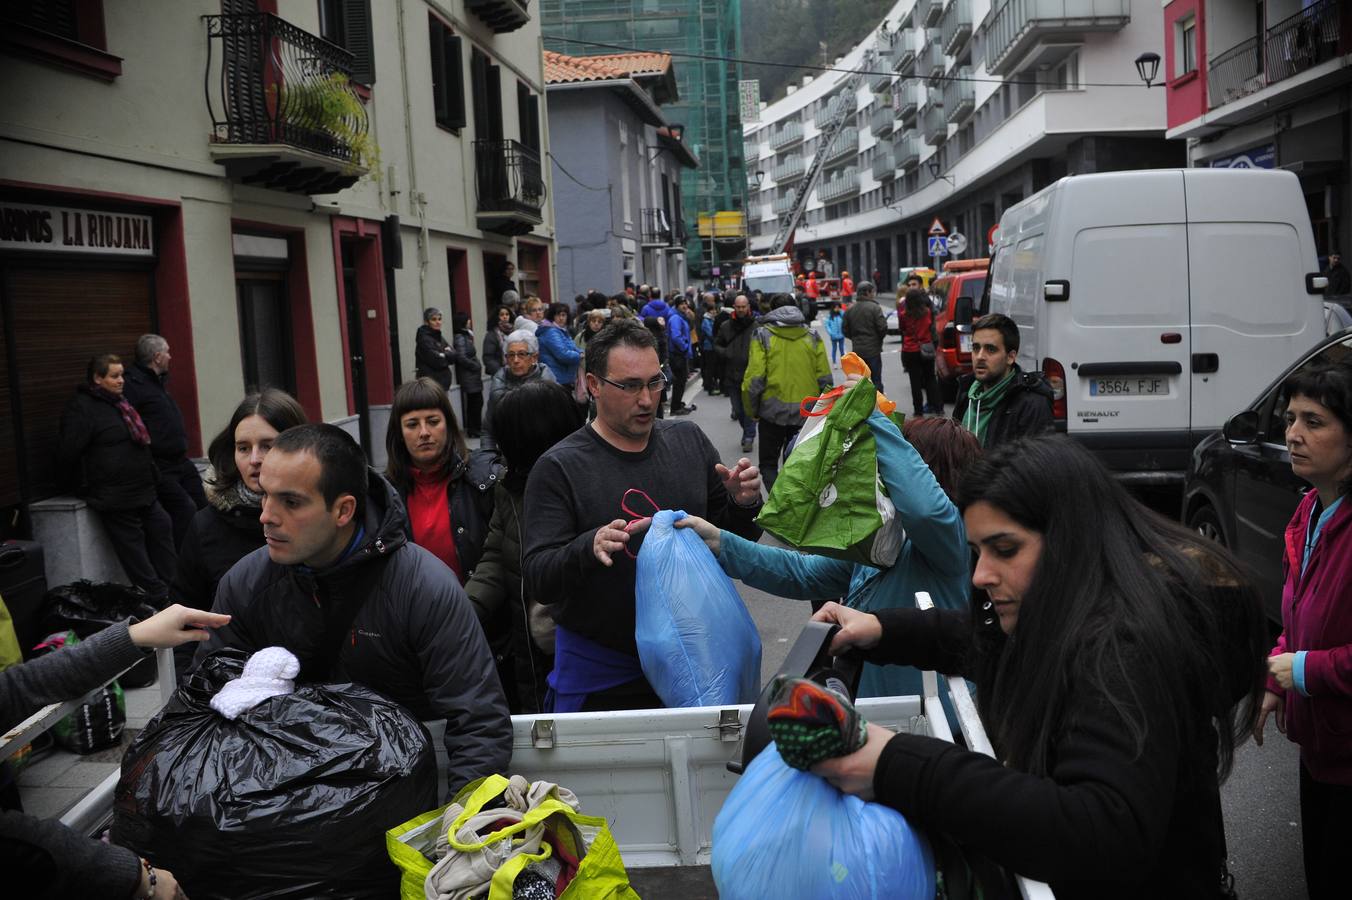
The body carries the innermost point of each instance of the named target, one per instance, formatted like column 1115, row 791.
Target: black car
column 1239, row 489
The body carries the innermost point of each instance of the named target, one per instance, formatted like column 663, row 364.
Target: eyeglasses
column 518, row 354
column 655, row 386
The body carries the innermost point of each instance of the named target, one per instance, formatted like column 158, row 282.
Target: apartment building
column 968, row 107
column 277, row 186
column 618, row 164
column 1267, row 84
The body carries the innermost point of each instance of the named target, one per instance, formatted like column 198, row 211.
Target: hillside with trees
column 814, row 32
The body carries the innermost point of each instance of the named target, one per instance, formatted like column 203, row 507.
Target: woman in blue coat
column 920, row 466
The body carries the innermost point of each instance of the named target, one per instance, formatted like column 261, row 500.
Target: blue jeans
column 837, row 349
column 735, row 398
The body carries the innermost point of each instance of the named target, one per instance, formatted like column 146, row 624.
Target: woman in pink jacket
column 1310, row 670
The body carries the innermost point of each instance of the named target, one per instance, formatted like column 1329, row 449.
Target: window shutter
column 358, row 41
column 454, row 73
column 436, row 42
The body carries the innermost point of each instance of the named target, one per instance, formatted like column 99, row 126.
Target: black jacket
column 220, row 535
column 1025, row 409
column 469, row 494
column 467, row 371
column 1103, row 823
column 168, row 437
column 495, row 345
column 434, row 357
column 734, row 341
column 98, row 456
column 389, row 615
column 1340, row 281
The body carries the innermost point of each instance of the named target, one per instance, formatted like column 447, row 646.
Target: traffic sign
column 938, row 245
column 957, row 243
column 992, row 235
column 937, row 227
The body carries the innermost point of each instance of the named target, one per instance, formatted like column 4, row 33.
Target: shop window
column 347, row 23
column 66, row 33
column 448, row 78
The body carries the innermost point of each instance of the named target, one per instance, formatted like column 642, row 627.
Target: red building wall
column 1186, row 94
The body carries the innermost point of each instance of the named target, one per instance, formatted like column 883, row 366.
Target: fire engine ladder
column 845, row 103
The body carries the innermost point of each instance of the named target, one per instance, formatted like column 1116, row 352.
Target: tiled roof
column 562, row 69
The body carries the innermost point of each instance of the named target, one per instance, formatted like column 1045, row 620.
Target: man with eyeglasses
column 586, row 506
column 522, row 358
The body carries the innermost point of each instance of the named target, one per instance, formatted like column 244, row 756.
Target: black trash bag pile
column 290, row 800
column 86, row 608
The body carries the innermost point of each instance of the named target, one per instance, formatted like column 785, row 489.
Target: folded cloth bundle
column 811, row 723
column 270, row 672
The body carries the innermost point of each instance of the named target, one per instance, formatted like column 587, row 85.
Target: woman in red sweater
column 916, row 320
column 449, row 496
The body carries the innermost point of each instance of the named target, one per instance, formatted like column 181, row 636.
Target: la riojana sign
column 60, row 229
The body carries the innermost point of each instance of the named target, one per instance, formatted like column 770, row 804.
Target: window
column 486, row 86
column 528, row 112
column 448, row 77
column 68, row 33
column 1185, row 46
column 347, row 23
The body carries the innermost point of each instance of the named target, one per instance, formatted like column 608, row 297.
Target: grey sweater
column 48, row 857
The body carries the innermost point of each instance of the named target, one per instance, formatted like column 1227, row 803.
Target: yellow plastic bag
column 600, row 875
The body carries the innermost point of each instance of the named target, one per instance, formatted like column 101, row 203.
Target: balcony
column 883, row 117
column 679, row 234
column 903, row 51
column 884, row 169
column 791, row 168
column 786, row 135
column 283, row 113
column 827, row 112
column 955, row 27
column 501, row 15
column 1291, row 46
column 933, row 125
column 655, row 230
column 508, row 186
column 846, row 184
column 910, row 97
column 929, row 62
column 906, row 151
column 959, row 95
column 845, row 144
column 880, row 82
column 927, row 12
column 1018, row 27
column 782, row 205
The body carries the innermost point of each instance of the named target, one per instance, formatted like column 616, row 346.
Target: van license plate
column 965, row 343
column 1121, row 387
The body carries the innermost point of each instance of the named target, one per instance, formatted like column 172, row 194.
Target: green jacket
column 787, row 363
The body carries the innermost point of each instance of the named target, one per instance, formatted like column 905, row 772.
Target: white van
column 1158, row 303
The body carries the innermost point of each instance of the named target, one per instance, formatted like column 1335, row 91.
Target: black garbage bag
column 86, row 607
column 290, row 800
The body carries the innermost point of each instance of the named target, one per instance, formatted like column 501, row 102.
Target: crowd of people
column 471, row 582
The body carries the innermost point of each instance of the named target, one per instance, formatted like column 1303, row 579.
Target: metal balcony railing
column 791, row 168
column 955, row 26
column 679, row 233
column 827, row 112
column 843, row 185
column 655, row 227
column 906, row 151
column 927, row 12
column 884, row 167
column 845, row 144
column 1304, row 40
column 787, row 134
column 883, row 117
column 933, row 125
column 275, row 83
column 507, row 177
column 904, row 49
column 911, row 96
column 782, row 205
column 1016, row 26
column 959, row 95
column 930, row 60
column 1235, row 73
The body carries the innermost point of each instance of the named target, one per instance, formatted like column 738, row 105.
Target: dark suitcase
column 23, row 584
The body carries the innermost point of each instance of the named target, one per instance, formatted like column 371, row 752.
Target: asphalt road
column 1261, row 806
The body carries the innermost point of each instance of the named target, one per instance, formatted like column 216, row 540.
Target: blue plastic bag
column 790, row 835
column 696, row 642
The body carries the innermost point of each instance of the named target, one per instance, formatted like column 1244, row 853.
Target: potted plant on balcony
column 327, row 106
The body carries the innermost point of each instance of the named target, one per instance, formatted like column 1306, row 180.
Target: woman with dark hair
column 432, row 355
column 104, row 453
column 917, row 331
column 447, row 493
column 1118, row 661
column 468, row 373
column 1309, row 685
column 557, row 350
column 228, row 529
column 921, row 465
column 529, row 420
column 494, row 347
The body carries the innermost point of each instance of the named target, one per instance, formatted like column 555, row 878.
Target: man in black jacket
column 180, row 486
column 340, row 585
column 865, row 324
column 999, row 402
column 734, row 344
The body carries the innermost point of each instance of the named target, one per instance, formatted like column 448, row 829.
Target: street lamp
column 1148, row 66
column 887, row 201
column 760, row 178
column 933, row 166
